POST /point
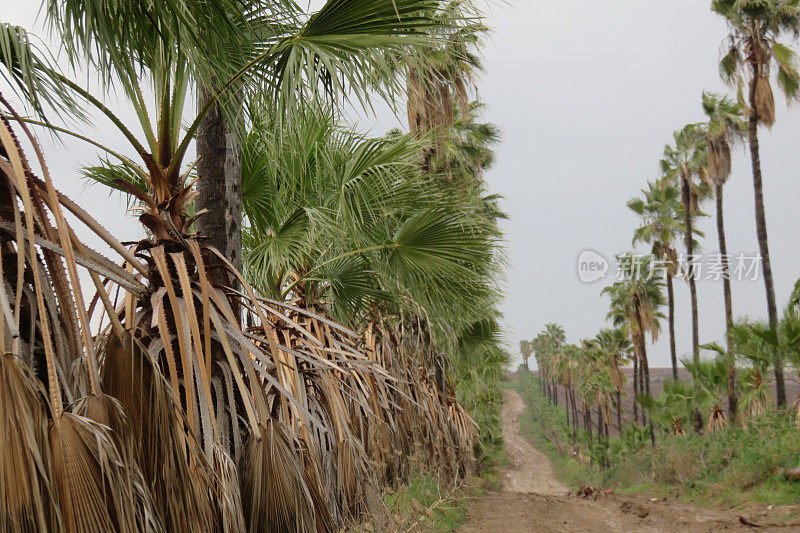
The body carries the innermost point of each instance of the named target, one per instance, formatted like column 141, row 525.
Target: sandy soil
column 534, row 501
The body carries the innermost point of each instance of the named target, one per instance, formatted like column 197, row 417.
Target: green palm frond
column 32, row 73
column 117, row 176
column 436, row 241
column 347, row 46
column 350, row 286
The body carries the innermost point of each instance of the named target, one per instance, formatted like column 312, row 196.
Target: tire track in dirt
column 530, row 470
column 533, row 500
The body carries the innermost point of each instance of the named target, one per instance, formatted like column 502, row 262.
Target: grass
column 732, row 467
column 424, row 502
column 427, row 504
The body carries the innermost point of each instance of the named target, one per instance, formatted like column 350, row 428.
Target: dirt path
column 534, row 501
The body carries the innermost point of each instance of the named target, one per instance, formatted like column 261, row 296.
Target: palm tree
column 672, row 407
column 437, row 85
column 192, row 341
column 571, row 365
column 711, row 379
column 684, row 164
column 635, row 301
column 755, row 27
column 526, row 349
column 555, row 333
column 616, row 346
column 347, row 225
column 556, row 337
column 662, row 223
column 752, row 341
column 234, row 48
column 725, row 126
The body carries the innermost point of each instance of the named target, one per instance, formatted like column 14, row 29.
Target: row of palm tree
column 590, row 377
column 694, row 168
column 310, row 316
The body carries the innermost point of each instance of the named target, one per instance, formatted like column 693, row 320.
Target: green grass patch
column 428, row 504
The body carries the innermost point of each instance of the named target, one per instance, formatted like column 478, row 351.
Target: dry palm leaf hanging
column 196, row 396
column 62, row 470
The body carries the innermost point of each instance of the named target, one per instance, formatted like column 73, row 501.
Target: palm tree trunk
column 644, row 364
column 599, row 420
column 543, row 382
column 726, row 288
column 587, row 422
column 574, row 415
column 566, row 409
column 671, row 319
column 686, row 198
column 600, row 436
column 687, row 202
column 619, row 412
column 761, row 232
column 219, row 186
column 555, row 393
column 641, row 391
column 571, row 417
column 635, row 388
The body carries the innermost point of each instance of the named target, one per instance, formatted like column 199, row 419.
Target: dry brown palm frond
column 275, row 497
column 108, row 412
column 795, row 409
column 765, row 102
column 415, row 97
column 173, row 465
column 92, row 487
column 28, row 503
column 227, row 491
column 719, row 161
column 95, row 488
column 716, row 420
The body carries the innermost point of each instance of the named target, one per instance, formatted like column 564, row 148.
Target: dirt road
column 534, row 501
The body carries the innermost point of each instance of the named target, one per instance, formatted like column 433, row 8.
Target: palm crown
column 755, row 29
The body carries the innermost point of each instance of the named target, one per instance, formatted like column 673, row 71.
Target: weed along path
column 534, row 501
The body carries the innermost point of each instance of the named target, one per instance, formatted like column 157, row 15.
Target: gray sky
column 586, row 94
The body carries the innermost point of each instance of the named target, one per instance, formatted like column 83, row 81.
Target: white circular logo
column 592, row 266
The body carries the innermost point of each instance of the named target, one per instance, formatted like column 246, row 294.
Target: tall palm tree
column 660, row 210
column 725, row 126
column 437, row 85
column 555, row 333
column 755, row 28
column 684, row 164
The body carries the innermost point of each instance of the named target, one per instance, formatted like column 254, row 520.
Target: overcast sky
column 586, row 93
